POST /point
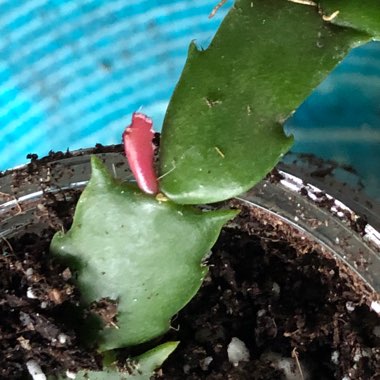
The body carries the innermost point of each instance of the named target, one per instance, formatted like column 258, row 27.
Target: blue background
column 72, row 73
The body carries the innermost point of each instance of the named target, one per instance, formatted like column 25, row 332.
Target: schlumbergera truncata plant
column 138, row 251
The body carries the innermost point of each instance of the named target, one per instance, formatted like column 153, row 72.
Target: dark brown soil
column 267, row 286
column 271, row 289
column 36, row 297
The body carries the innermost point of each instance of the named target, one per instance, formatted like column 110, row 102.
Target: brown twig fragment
column 6, row 195
column 216, row 8
column 221, row 154
column 331, row 17
column 8, row 244
column 304, row 2
column 295, row 357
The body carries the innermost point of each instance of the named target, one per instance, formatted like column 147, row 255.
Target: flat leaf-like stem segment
column 138, row 260
column 223, row 129
column 139, row 368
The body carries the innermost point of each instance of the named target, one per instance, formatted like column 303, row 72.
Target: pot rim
column 323, row 219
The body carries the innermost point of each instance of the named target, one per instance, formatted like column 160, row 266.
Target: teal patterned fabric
column 72, row 72
column 341, row 119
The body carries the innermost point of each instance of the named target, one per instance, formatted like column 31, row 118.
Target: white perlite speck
column 335, row 357
column 375, row 306
column 35, row 370
column 62, row 338
column 287, row 365
column 70, row 375
column 350, row 306
column 30, row 294
column 205, row 363
column 237, row 352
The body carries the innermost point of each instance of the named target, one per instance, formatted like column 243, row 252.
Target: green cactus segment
column 139, row 368
column 145, row 272
column 361, row 15
column 223, row 129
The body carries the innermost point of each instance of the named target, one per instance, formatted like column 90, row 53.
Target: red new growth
column 139, row 151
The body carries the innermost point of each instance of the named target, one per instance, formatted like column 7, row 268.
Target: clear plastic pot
column 303, row 193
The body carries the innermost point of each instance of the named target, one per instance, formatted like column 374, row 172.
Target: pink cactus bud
column 139, row 150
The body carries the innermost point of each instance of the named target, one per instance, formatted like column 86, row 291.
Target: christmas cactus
column 139, row 251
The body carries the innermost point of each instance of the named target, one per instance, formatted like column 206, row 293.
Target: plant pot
column 339, row 239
